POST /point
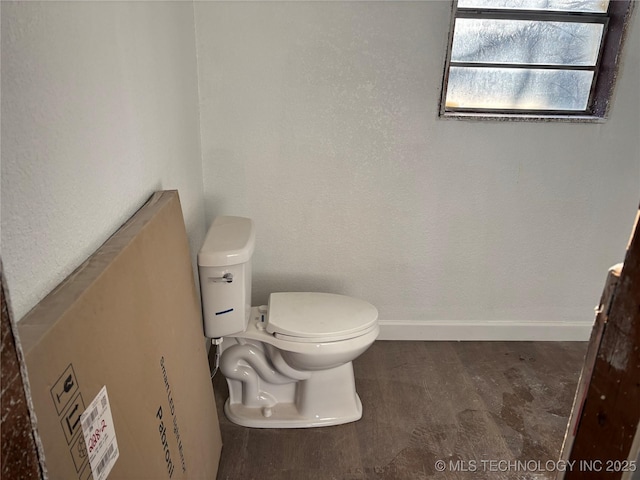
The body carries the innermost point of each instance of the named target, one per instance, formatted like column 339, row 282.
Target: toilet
column 288, row 364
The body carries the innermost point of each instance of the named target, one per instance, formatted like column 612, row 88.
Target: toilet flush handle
column 226, row 278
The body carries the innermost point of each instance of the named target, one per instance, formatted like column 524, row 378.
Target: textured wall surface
column 99, row 109
column 319, row 120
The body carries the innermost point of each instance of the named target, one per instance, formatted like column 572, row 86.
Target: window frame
column 615, row 21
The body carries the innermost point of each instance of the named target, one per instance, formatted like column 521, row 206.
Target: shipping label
column 100, row 435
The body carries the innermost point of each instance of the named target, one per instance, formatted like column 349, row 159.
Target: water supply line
column 216, row 358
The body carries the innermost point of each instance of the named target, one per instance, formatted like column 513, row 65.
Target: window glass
column 526, row 89
column 597, row 6
column 534, row 59
column 526, row 42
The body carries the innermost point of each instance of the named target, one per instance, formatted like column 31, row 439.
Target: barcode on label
column 89, row 420
column 105, row 458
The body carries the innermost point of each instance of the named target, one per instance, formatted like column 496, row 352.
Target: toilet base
column 327, row 397
column 285, row 415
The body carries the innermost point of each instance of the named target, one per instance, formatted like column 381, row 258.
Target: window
column 533, row 58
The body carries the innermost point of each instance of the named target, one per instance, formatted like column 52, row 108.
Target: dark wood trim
column 619, row 19
column 19, row 454
column 590, row 359
column 606, row 412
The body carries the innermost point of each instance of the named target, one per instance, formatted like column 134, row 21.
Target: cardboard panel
column 128, row 319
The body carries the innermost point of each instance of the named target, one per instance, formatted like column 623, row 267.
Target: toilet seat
column 319, row 317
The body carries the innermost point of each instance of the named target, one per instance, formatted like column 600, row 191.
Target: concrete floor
column 476, row 406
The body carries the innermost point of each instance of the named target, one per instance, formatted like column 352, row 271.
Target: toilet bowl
column 288, row 364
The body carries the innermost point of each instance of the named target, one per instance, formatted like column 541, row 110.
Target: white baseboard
column 484, row 331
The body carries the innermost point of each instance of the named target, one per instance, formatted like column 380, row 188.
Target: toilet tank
column 224, row 265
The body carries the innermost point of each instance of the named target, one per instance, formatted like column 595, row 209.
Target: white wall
column 319, row 120
column 99, row 109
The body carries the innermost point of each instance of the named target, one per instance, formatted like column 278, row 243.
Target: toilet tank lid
column 229, row 241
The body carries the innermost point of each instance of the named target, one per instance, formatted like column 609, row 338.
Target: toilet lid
column 319, row 315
